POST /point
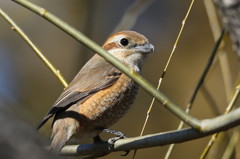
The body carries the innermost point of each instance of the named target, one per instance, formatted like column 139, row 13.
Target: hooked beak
column 145, row 48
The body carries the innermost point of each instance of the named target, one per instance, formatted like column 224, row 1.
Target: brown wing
column 96, row 74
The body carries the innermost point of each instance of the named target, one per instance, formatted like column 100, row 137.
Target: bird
column 100, row 94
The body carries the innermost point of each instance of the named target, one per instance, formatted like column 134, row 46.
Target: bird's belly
column 116, row 111
column 107, row 106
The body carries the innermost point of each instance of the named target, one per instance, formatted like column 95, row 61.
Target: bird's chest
column 107, row 106
column 121, row 103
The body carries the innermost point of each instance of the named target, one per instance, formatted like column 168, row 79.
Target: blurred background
column 30, row 88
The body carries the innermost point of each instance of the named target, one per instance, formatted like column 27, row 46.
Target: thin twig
column 206, row 70
column 222, row 55
column 193, row 122
column 166, row 67
column 16, row 28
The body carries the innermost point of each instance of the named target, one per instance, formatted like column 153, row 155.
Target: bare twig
column 206, row 70
column 222, row 55
column 16, row 28
column 163, row 74
column 168, row 62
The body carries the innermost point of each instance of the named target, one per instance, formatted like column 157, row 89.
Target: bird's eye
column 124, row 42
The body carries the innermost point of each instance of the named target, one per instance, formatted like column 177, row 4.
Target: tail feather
column 45, row 119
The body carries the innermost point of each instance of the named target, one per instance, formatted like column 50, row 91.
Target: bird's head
column 129, row 47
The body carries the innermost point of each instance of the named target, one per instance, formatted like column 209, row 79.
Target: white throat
column 133, row 60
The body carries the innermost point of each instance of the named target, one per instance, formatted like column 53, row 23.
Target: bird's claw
column 119, row 134
column 112, row 141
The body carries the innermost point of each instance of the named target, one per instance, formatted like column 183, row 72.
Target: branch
column 210, row 126
column 16, row 28
column 193, row 122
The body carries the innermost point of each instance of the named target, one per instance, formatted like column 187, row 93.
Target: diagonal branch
column 16, row 28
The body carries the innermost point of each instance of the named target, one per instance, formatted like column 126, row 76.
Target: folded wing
column 96, row 75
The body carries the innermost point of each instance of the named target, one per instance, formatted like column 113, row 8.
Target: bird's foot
column 111, row 141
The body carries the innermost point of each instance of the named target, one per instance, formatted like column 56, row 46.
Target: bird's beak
column 145, row 48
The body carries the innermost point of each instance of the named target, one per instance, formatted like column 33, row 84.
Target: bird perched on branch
column 100, row 94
